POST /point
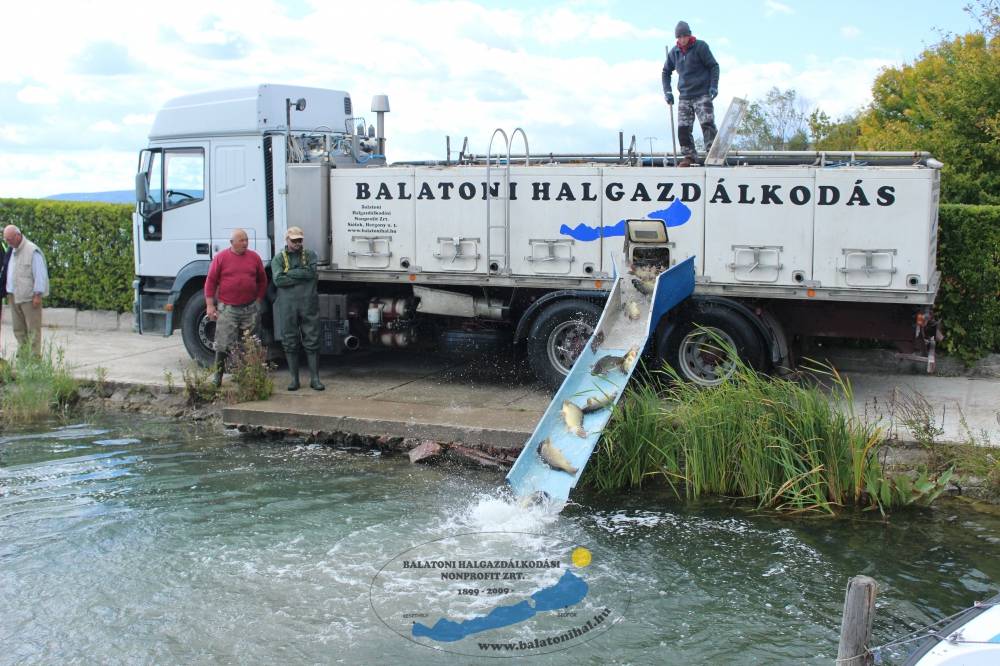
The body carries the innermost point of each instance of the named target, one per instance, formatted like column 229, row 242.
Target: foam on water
column 500, row 511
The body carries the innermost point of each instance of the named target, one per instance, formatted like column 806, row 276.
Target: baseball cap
column 294, row 233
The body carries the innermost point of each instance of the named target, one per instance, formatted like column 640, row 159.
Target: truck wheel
column 558, row 336
column 691, row 350
column 198, row 331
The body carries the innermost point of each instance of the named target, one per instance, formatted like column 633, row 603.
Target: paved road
column 475, row 401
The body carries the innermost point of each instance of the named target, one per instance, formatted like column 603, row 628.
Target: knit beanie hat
column 682, row 29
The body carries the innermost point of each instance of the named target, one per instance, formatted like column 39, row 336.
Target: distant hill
column 114, row 196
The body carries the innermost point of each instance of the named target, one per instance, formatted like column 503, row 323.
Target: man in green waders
column 297, row 308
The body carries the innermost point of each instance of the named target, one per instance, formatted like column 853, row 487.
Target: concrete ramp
column 616, row 336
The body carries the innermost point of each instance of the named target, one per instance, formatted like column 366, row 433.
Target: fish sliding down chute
column 553, row 459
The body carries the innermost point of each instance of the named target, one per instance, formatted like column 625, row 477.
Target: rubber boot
column 293, row 370
column 220, row 368
column 314, row 382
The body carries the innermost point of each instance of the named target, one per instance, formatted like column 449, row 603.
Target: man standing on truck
column 697, row 85
column 236, row 279
column 297, row 307
column 27, row 281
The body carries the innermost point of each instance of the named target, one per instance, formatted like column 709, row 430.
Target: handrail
column 527, row 162
column 489, row 228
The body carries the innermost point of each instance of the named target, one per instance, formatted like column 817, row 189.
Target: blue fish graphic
column 675, row 215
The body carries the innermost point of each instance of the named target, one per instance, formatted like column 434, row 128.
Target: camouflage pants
column 232, row 321
column 686, row 111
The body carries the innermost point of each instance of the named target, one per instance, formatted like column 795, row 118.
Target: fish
column 597, row 404
column 607, row 364
column 632, row 310
column 573, row 416
column 554, row 458
column 597, row 341
column 646, row 273
column 537, row 498
column 644, row 287
column 629, row 358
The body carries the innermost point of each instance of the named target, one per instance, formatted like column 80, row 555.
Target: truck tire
column 689, row 348
column 558, row 336
column 198, row 331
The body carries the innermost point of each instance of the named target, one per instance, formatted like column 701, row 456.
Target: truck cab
column 216, row 162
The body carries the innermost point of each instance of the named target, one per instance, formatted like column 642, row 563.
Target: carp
column 597, row 341
column 554, row 458
column 646, row 273
column 632, row 310
column 597, row 404
column 629, row 359
column 573, row 417
column 644, row 287
column 607, row 364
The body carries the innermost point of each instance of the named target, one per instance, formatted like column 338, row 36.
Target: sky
column 80, row 82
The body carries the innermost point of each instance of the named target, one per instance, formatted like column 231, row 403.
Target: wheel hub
column 566, row 342
column 206, row 332
column 703, row 359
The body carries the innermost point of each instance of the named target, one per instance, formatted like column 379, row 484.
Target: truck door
column 175, row 216
column 238, row 197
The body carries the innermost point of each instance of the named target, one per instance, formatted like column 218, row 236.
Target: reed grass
column 35, row 386
column 791, row 446
column 249, row 367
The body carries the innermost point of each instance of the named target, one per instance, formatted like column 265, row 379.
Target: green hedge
column 89, row 250
column 87, row 246
column 968, row 302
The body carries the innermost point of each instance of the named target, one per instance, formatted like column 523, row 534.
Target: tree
column 987, row 14
column 778, row 122
column 829, row 134
column 948, row 103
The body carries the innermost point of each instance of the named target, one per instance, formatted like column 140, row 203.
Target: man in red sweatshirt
column 236, row 280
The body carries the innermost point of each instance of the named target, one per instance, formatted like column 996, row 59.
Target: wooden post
column 856, row 626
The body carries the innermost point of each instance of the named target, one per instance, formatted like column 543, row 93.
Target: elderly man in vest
column 27, row 283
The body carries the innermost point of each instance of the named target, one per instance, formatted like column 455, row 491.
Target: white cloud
column 772, row 7
column 839, row 86
column 83, row 171
column 105, row 126
column 143, row 120
column 850, row 32
column 37, row 95
column 12, row 134
column 451, row 67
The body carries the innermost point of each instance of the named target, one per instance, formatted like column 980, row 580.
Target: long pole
column 673, row 135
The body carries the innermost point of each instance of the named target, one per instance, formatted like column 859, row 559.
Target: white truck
column 501, row 250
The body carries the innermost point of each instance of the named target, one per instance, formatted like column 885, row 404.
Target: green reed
column 35, row 385
column 792, row 446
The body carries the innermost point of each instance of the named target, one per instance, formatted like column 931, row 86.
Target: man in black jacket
column 697, row 85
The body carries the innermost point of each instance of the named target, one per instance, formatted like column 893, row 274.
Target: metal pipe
column 351, row 343
column 758, row 157
column 673, row 132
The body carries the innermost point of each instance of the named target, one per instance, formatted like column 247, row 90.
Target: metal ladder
column 499, row 262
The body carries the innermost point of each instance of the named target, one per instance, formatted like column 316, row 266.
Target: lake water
column 133, row 540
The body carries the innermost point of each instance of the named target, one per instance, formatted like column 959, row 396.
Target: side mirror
column 141, row 188
column 300, row 104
